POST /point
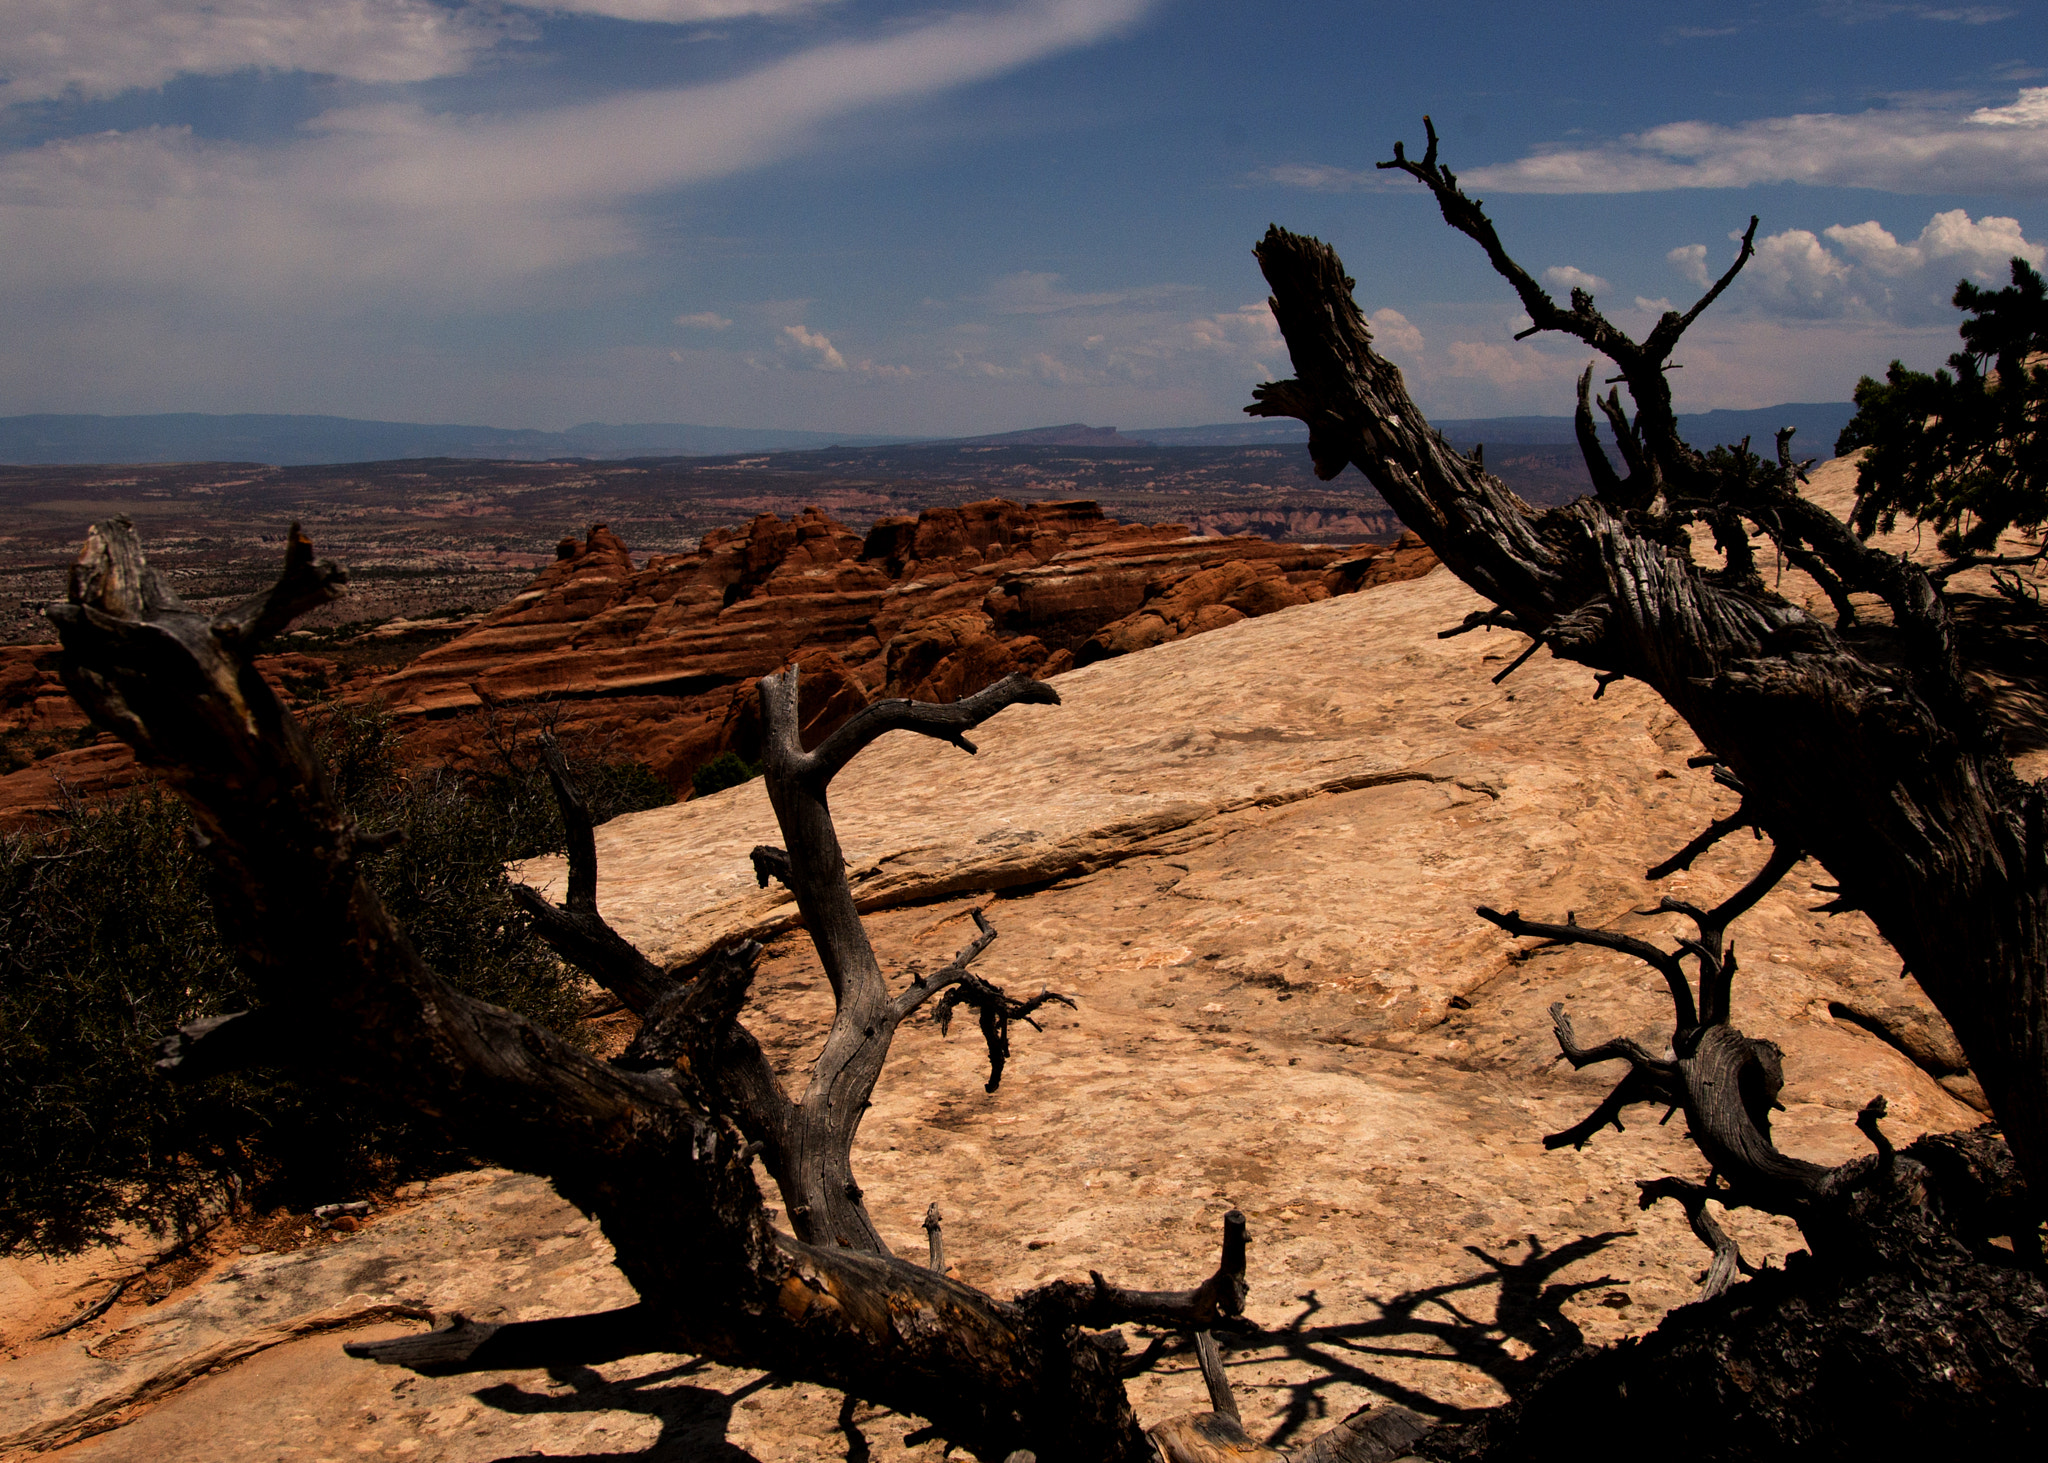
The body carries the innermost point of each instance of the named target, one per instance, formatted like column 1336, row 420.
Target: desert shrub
column 107, row 942
column 727, row 769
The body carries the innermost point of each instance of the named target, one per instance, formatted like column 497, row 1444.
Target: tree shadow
column 1526, row 1332
column 693, row 1420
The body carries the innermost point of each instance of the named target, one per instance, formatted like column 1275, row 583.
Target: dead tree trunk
column 658, row 1146
column 1909, row 1327
column 1856, row 741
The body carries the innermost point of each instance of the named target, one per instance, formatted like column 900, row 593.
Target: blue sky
column 970, row 215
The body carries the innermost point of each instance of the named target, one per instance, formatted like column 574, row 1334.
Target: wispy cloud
column 2000, row 149
column 704, row 320
column 98, row 48
column 407, row 201
column 1324, row 178
column 676, row 12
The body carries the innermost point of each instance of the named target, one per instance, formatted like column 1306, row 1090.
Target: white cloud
column 1028, row 292
column 674, row 12
column 1951, row 240
column 1690, row 260
column 1659, row 306
column 1904, row 149
column 100, row 48
column 1877, row 277
column 1246, row 331
column 1393, row 332
column 704, row 320
column 1795, row 272
column 2031, row 110
column 1566, row 277
column 1507, row 366
column 814, row 348
column 103, row 47
column 1323, row 178
column 401, row 202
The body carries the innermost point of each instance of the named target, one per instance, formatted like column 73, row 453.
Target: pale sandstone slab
column 1252, row 857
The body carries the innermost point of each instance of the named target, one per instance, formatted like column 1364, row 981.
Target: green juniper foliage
column 107, row 943
column 727, row 769
column 1965, row 449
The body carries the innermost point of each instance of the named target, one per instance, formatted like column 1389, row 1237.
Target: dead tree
column 1856, row 742
column 657, row 1147
column 689, row 1018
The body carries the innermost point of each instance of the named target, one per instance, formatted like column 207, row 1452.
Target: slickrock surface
column 1251, row 857
column 662, row 659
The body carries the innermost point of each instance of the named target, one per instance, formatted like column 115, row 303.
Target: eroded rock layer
column 660, row 660
column 656, row 663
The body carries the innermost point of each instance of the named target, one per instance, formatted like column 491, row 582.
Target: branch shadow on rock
column 693, row 1419
column 1527, row 1333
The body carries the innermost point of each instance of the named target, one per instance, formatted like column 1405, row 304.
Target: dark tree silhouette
column 1966, row 452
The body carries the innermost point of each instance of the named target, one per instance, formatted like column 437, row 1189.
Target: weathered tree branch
column 574, row 929
column 1867, row 753
column 1216, row 1303
column 656, row 1159
column 812, row 1153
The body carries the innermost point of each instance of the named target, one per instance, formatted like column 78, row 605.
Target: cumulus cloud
column 1690, row 260
column 1565, row 277
column 1904, row 150
column 1982, row 248
column 1874, row 275
column 814, row 348
column 1393, row 332
column 1124, row 338
column 406, row 201
column 99, row 48
column 704, row 320
column 1246, row 331
column 1795, row 271
column 2031, row 110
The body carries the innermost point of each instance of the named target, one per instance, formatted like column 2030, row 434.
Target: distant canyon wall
column 656, row 662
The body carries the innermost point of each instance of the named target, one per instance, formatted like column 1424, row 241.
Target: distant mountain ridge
column 304, row 441
column 1818, row 422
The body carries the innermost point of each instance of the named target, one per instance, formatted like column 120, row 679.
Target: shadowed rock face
column 661, row 659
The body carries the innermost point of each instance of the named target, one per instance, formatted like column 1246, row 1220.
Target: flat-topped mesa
column 662, row 658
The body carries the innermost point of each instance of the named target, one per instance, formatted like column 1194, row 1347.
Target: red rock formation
column 657, row 663
column 660, row 661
